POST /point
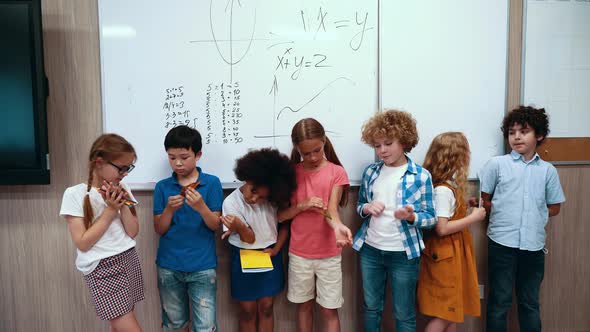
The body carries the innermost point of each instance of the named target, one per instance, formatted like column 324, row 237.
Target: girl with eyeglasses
column 103, row 224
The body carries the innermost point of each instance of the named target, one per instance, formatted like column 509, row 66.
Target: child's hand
column 113, row 196
column 232, row 222
column 226, row 233
column 404, row 213
column 374, row 208
column 312, row 202
column 194, row 199
column 343, row 235
column 271, row 251
column 478, row 213
column 107, row 187
column 175, row 202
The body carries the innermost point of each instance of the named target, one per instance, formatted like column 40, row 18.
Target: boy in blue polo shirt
column 186, row 220
column 522, row 191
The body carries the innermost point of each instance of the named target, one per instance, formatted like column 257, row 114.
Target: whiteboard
column 241, row 72
column 556, row 66
column 446, row 62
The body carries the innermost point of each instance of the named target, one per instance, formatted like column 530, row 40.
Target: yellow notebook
column 253, row 261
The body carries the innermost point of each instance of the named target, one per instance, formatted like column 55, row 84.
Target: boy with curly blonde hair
column 395, row 202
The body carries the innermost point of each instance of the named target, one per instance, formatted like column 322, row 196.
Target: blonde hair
column 310, row 128
column 448, row 159
column 108, row 147
column 393, row 124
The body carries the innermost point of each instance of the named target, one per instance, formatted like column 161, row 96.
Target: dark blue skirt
column 253, row 286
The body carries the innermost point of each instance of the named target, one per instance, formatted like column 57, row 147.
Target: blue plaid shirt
column 416, row 189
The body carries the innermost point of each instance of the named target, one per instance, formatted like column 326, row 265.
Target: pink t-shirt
column 311, row 235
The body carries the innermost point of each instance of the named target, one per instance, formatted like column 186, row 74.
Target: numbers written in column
column 223, row 100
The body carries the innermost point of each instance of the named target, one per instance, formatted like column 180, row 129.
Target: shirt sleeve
column 159, row 200
column 229, row 205
column 71, row 205
column 426, row 216
column 444, row 202
column 554, row 191
column 363, row 193
column 488, row 176
column 227, row 209
column 340, row 177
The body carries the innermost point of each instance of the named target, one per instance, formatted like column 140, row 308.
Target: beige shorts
column 315, row 278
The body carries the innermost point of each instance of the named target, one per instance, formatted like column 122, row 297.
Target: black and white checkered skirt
column 116, row 285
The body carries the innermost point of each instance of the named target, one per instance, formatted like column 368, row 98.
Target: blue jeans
column 177, row 289
column 524, row 269
column 403, row 273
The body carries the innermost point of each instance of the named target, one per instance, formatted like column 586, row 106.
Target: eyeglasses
column 123, row 169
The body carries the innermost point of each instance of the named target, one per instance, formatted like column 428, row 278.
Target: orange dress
column 447, row 284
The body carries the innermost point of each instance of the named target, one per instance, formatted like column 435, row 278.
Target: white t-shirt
column 261, row 217
column 383, row 232
column 114, row 241
column 444, row 202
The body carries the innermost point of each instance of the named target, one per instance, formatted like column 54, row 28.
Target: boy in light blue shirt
column 520, row 191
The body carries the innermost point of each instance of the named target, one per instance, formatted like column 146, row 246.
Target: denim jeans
column 524, row 269
column 403, row 273
column 177, row 289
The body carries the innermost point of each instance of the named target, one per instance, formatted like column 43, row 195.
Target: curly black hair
column 527, row 116
column 268, row 168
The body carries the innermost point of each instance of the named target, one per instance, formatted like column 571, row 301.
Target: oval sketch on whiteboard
column 232, row 27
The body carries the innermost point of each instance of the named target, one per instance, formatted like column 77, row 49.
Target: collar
column 412, row 167
column 517, row 156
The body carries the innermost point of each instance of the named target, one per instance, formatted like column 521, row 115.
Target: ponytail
column 88, row 212
column 295, row 156
column 330, row 152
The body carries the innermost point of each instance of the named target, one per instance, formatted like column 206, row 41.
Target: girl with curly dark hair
column 250, row 222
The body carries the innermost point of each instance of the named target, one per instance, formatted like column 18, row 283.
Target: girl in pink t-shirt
column 317, row 233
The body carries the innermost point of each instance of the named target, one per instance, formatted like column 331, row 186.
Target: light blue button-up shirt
column 520, row 193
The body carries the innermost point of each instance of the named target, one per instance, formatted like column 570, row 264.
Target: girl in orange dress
column 447, row 285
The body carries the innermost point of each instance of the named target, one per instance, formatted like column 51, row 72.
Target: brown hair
column 310, row 128
column 109, row 147
column 447, row 159
column 391, row 124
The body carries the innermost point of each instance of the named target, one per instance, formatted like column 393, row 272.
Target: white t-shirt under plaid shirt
column 416, row 189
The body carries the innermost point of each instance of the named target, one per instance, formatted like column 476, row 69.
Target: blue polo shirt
column 520, row 192
column 188, row 245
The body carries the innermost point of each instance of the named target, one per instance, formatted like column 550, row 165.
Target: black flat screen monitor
column 24, row 155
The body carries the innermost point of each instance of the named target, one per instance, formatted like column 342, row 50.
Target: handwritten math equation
column 222, row 115
column 322, row 22
column 288, row 61
column 175, row 111
column 295, row 63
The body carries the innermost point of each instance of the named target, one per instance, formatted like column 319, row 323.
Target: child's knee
column 265, row 309
column 328, row 314
column 248, row 314
column 306, row 306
